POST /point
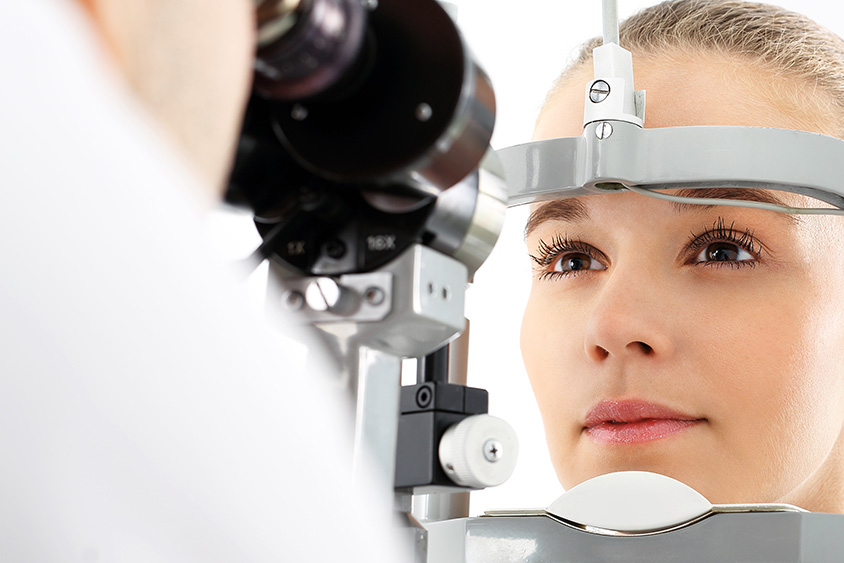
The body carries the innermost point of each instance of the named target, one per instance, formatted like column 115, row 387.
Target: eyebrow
column 570, row 210
column 573, row 210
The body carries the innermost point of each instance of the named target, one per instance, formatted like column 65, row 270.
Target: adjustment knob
column 325, row 294
column 479, row 451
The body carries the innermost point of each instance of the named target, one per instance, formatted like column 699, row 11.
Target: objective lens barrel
column 305, row 47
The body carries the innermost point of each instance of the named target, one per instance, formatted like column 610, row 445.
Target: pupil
column 722, row 253
column 576, row 263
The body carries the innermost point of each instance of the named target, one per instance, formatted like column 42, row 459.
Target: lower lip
column 637, row 432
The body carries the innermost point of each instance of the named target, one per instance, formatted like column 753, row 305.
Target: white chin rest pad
column 630, row 501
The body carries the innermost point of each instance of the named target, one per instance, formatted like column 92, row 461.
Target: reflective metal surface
column 526, row 537
column 676, row 157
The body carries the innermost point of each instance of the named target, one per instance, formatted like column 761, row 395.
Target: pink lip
column 633, row 422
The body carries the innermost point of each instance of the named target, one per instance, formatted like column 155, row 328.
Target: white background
column 523, row 46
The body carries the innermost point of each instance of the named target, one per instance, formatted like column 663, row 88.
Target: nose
column 628, row 319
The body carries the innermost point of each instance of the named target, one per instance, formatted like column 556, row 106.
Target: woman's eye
column 565, row 257
column 723, row 252
column 576, row 262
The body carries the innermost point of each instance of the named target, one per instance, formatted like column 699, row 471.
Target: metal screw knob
column 324, row 294
column 293, row 300
column 299, row 112
column 604, row 130
column 493, row 450
column 374, row 295
column 599, row 91
column 424, row 112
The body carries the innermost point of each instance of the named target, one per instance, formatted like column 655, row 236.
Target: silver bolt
column 599, row 91
column 604, row 130
column 299, row 112
column 323, row 294
column 493, row 450
column 424, row 112
column 370, row 4
column 293, row 300
column 374, row 295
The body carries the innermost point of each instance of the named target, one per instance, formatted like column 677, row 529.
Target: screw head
column 335, row 249
column 323, row 294
column 599, row 91
column 293, row 300
column 423, row 397
column 424, row 112
column 604, row 130
column 299, row 112
column 493, row 450
column 374, row 295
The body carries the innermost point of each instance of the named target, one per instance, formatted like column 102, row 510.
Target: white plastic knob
column 479, row 451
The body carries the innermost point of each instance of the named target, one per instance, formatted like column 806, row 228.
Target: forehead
column 687, row 89
column 577, row 210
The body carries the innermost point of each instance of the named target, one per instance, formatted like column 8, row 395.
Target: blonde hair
column 788, row 44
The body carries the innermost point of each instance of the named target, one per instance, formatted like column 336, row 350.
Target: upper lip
column 631, row 411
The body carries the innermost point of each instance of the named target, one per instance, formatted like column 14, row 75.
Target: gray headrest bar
column 675, row 157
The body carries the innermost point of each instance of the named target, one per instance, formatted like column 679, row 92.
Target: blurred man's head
column 189, row 61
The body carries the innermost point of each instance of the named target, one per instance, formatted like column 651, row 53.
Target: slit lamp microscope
column 364, row 157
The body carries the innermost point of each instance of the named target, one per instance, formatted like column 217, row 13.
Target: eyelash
column 548, row 254
column 720, row 232
column 560, row 245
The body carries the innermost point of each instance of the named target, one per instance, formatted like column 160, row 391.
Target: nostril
column 645, row 348
column 601, row 353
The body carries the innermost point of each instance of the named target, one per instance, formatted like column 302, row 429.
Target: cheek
column 806, row 393
column 239, row 25
column 543, row 350
column 817, row 361
column 817, row 317
column 759, row 343
column 774, row 371
column 222, row 51
column 530, row 336
column 549, row 343
column 227, row 41
column 190, row 62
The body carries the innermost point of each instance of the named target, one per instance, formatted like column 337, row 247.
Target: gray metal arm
column 675, row 157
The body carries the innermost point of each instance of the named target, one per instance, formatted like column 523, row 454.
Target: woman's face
column 704, row 343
